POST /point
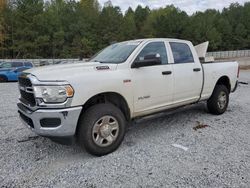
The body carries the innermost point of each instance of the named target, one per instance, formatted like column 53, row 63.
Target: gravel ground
column 217, row 156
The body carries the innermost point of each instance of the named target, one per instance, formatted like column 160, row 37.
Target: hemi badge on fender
column 102, row 68
column 126, row 81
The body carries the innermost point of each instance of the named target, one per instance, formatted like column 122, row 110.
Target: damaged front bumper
column 50, row 122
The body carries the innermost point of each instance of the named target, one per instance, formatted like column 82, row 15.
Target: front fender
column 112, row 83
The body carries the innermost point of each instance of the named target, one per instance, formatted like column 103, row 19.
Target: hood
column 64, row 72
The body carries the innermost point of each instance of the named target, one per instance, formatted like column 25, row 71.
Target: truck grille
column 27, row 95
column 24, row 82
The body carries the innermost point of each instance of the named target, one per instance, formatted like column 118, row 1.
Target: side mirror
column 148, row 60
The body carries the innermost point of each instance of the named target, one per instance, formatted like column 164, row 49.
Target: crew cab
column 9, row 71
column 94, row 101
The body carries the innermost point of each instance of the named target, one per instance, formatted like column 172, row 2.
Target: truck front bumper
column 50, row 122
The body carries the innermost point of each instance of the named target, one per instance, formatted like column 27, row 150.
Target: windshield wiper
column 104, row 62
column 98, row 61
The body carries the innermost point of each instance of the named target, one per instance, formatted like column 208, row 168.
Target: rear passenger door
column 187, row 73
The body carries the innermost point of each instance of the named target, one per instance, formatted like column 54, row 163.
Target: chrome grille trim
column 26, row 91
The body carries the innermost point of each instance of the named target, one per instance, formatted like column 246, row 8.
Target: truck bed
column 215, row 70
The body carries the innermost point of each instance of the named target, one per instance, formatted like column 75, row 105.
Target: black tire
column 213, row 103
column 86, row 125
column 3, row 78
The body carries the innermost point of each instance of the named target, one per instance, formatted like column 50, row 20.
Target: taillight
column 238, row 74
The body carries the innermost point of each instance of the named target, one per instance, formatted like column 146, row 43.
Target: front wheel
column 218, row 102
column 101, row 129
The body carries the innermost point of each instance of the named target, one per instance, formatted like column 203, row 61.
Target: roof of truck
column 152, row 39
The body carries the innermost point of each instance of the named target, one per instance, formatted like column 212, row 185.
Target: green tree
column 140, row 16
column 163, row 22
column 128, row 26
column 72, row 29
column 225, row 29
column 23, row 32
column 240, row 36
column 246, row 22
column 110, row 24
column 2, row 25
column 202, row 27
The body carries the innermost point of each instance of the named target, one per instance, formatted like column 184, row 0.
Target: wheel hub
column 105, row 131
column 222, row 100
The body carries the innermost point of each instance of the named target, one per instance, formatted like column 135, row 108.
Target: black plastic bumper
column 235, row 87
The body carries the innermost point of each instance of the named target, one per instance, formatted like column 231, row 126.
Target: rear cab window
column 181, row 53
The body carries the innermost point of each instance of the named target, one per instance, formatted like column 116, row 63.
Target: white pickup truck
column 94, row 101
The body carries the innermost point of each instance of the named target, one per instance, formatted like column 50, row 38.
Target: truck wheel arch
column 109, row 97
column 224, row 80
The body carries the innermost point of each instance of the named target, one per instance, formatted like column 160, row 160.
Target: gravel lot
column 217, row 156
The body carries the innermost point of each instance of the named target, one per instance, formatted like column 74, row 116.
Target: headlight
column 53, row 94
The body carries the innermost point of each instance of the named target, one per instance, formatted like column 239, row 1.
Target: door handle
column 166, row 72
column 197, row 69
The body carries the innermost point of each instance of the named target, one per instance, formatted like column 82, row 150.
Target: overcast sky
column 190, row 6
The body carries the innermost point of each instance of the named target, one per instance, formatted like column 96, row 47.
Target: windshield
column 115, row 53
column 5, row 65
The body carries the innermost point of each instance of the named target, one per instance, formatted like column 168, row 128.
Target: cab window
column 6, row 65
column 17, row 64
column 181, row 53
column 152, row 49
column 28, row 64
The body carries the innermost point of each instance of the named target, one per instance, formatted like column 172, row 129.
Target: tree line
column 76, row 29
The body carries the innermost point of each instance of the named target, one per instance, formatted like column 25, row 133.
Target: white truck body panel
column 144, row 89
column 214, row 71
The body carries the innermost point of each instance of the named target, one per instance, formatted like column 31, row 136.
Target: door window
column 17, row 64
column 152, row 49
column 181, row 53
column 28, row 64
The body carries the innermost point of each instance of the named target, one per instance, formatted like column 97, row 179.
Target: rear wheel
column 218, row 102
column 101, row 129
column 3, row 78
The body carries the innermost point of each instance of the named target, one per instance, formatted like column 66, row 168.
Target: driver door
column 152, row 85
